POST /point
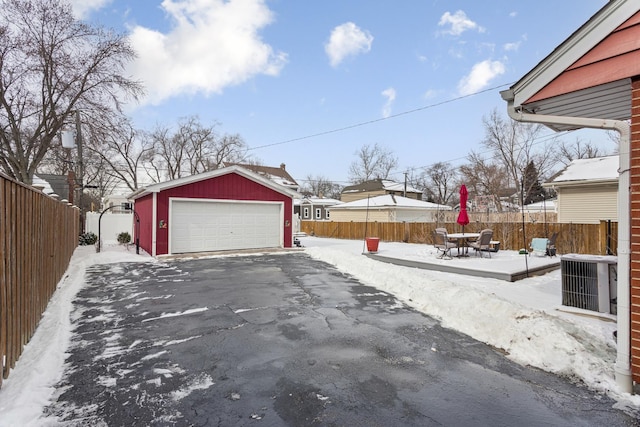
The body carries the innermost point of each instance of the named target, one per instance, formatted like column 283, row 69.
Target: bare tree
column 50, row 66
column 442, row 181
column 373, row 162
column 123, row 152
column 321, row 186
column 514, row 144
column 193, row 148
column 485, row 177
column 578, row 150
column 228, row 149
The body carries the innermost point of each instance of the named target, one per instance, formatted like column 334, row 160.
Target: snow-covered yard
column 525, row 319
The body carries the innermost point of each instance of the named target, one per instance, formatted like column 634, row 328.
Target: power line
column 369, row 122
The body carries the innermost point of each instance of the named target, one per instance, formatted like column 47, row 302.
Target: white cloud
column 480, row 76
column 82, row 8
column 213, row 44
column 511, row 46
column 458, row 23
column 430, row 94
column 347, row 40
column 390, row 94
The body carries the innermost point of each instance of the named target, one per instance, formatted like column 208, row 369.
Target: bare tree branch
column 373, row 162
column 50, row 66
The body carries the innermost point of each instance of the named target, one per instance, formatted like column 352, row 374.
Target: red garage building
column 225, row 209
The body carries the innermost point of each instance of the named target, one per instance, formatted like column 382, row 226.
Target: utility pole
column 405, row 183
column 80, row 169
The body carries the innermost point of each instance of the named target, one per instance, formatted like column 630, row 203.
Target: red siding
column 614, row 58
column 635, row 231
column 227, row 187
column 144, row 209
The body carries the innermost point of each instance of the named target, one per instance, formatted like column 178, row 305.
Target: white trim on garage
column 205, row 225
column 154, row 225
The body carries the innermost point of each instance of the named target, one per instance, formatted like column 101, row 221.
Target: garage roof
column 156, row 188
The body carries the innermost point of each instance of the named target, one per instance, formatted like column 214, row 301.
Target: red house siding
column 614, row 58
column 635, row 229
column 144, row 209
column 231, row 186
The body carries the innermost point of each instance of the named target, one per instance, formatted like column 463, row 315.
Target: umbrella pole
column 524, row 232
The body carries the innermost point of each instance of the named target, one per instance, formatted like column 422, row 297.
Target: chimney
column 283, row 166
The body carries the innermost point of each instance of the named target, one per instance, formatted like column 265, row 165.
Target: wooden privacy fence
column 572, row 238
column 38, row 235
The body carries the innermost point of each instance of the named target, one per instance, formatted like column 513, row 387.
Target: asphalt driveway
column 284, row 340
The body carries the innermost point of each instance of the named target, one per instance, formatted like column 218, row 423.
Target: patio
column 503, row 265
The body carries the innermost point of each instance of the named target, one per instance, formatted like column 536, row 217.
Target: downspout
column 623, row 365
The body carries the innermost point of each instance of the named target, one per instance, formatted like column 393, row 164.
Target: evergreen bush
column 124, row 237
column 88, row 238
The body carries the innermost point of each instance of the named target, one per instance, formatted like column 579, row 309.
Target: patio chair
column 551, row 244
column 442, row 244
column 539, row 246
column 483, row 244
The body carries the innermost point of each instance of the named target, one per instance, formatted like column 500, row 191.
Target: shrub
column 88, row 238
column 124, row 237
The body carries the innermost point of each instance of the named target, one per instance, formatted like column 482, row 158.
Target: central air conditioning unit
column 590, row 282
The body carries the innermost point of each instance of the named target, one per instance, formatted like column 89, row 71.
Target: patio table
column 462, row 239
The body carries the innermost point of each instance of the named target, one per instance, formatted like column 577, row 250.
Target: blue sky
column 414, row 76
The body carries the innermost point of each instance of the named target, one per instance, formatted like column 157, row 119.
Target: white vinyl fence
column 111, row 225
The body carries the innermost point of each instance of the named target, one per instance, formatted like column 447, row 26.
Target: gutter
column 623, row 360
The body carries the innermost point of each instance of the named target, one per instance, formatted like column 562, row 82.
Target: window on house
column 305, row 213
column 318, row 213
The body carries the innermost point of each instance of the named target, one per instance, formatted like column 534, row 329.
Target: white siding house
column 387, row 208
column 587, row 191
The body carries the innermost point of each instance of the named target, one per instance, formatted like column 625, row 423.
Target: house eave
column 581, row 183
column 605, row 21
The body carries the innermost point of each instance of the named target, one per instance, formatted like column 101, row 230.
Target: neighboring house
column 386, row 208
column 314, row 208
column 592, row 80
column 53, row 184
column 108, row 224
column 117, row 200
column 587, row 190
column 224, row 209
column 378, row 187
column 540, row 207
column 278, row 175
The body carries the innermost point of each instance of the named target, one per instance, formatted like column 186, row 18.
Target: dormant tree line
column 514, row 159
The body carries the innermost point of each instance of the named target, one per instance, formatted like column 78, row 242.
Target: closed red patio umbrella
column 463, row 218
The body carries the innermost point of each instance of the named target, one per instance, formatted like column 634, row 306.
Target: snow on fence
column 572, row 238
column 38, row 235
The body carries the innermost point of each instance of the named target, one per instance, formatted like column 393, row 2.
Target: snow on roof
column 320, row 201
column 397, row 186
column 596, row 169
column 379, row 184
column 37, row 181
column 389, row 200
column 545, row 205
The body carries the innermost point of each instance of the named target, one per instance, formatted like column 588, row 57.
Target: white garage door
column 201, row 226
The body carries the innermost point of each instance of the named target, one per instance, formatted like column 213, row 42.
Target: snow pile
column 519, row 318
